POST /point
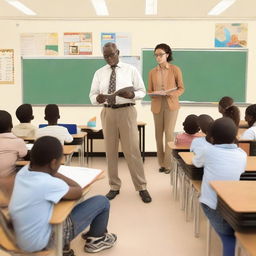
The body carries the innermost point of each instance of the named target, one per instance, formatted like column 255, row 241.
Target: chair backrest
column 7, row 237
column 72, row 128
column 8, row 240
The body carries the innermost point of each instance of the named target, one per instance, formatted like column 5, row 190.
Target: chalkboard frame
column 187, row 101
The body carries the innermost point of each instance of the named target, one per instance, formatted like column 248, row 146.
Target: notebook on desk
column 83, row 176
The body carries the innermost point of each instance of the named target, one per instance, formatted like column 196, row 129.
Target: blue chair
column 72, row 128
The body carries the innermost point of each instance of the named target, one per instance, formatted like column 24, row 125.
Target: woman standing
column 166, row 80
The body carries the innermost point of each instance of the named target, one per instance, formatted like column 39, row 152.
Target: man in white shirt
column 53, row 129
column 119, row 118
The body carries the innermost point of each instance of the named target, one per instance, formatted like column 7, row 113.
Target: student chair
column 8, row 241
column 72, row 128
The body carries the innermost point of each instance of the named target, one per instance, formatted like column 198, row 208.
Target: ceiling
column 128, row 9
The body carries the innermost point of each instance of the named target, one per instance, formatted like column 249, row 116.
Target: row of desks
column 236, row 202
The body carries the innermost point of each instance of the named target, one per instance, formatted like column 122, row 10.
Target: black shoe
column 112, row 194
column 162, row 169
column 145, row 196
column 167, row 171
column 67, row 251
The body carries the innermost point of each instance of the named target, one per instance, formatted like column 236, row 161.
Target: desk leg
column 87, row 150
column 143, row 143
column 208, row 238
column 58, row 240
column 82, row 151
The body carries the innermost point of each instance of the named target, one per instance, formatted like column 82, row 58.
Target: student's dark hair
column 5, row 121
column 251, row 111
column 226, row 102
column 233, row 112
column 24, row 113
column 190, row 124
column 167, row 49
column 223, row 131
column 45, row 149
column 51, row 112
column 205, row 122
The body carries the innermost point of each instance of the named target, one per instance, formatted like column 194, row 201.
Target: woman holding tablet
column 165, row 85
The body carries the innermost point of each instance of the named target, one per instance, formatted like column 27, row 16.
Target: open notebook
column 83, row 176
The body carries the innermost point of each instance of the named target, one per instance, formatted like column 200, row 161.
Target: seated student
column 233, row 112
column 11, row 147
column 191, row 129
column 224, row 103
column 24, row 113
column 222, row 161
column 52, row 115
column 199, row 145
column 250, row 118
column 38, row 187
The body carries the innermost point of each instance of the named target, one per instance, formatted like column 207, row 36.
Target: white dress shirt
column 126, row 76
column 199, row 146
column 221, row 162
column 249, row 134
column 59, row 132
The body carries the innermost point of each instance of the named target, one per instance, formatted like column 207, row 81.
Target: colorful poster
column 77, row 43
column 231, row 35
column 39, row 44
column 121, row 39
column 107, row 38
column 6, row 66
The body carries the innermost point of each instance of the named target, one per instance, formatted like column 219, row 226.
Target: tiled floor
column 155, row 229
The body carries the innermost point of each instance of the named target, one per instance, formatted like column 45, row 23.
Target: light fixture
column 221, row 7
column 151, row 7
column 100, row 7
column 21, row 7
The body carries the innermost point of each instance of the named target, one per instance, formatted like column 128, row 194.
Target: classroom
column 181, row 24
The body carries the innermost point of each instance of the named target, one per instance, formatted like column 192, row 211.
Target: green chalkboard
column 58, row 80
column 208, row 74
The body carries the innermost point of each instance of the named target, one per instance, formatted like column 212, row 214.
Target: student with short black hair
column 11, row 147
column 250, row 118
column 24, row 113
column 224, row 103
column 223, row 160
column 191, row 129
column 38, row 187
column 53, row 129
column 199, row 145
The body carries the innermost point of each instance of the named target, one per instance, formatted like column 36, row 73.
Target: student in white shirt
column 250, row 118
column 24, row 113
column 53, row 129
column 200, row 144
column 38, row 187
column 222, row 161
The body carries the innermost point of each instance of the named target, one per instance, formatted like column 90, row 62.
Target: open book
column 162, row 92
column 118, row 92
column 83, row 176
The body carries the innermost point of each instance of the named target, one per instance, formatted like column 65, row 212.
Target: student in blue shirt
column 222, row 161
column 38, row 187
column 200, row 144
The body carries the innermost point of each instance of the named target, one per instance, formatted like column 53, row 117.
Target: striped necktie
column 112, row 86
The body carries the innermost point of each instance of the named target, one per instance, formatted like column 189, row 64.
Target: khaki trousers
column 121, row 124
column 165, row 122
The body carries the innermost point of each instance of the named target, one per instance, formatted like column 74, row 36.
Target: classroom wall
column 145, row 34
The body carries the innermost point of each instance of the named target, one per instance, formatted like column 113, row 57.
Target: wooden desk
column 68, row 151
column 245, row 244
column 237, row 203
column 250, row 164
column 243, row 124
column 60, row 213
column 94, row 134
column 172, row 145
